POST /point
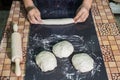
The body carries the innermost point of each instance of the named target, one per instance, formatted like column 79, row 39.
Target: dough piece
column 57, row 21
column 63, row 49
column 83, row 62
column 46, row 61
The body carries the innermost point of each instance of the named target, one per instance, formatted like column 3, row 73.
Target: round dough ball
column 46, row 61
column 63, row 49
column 83, row 62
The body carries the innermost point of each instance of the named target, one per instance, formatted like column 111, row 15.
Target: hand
column 34, row 15
column 82, row 14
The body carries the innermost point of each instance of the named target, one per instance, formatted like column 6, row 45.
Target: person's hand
column 33, row 15
column 82, row 14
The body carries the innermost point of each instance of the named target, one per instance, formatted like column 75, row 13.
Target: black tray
column 84, row 39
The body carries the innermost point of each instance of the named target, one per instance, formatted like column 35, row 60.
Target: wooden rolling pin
column 16, row 49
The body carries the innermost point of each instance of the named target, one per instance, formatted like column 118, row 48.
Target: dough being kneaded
column 46, row 61
column 63, row 49
column 83, row 62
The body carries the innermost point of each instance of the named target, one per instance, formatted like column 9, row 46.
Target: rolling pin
column 16, row 47
column 61, row 21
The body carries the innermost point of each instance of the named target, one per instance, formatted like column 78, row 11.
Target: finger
column 82, row 18
column 34, row 16
column 77, row 16
column 38, row 18
column 33, row 20
column 29, row 19
column 85, row 16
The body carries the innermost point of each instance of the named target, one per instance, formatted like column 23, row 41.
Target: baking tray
column 84, row 39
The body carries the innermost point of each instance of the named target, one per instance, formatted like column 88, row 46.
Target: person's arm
column 83, row 11
column 28, row 3
column 87, row 4
column 33, row 14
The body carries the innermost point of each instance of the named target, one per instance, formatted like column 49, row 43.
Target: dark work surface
column 84, row 39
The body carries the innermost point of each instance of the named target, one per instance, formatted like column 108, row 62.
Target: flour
column 67, row 70
column 47, row 43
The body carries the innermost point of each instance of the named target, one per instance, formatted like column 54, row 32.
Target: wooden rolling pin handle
column 17, row 67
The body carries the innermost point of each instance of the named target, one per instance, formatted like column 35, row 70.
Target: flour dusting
column 66, row 68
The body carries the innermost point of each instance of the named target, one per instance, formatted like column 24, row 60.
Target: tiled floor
column 115, row 7
column 3, row 19
column 4, row 12
column 117, row 17
column 106, row 28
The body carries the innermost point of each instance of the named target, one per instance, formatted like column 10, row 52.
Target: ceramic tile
column 112, row 64
column 105, row 42
column 5, row 73
column 6, row 67
column 105, row 21
column 116, row 76
column 110, row 17
column 4, row 78
column 113, row 42
column 116, row 52
column 13, row 78
column 107, row 53
column 113, row 70
column 1, row 68
column 2, row 55
column 117, row 58
column 114, row 47
column 118, row 64
column 7, row 61
column 118, row 41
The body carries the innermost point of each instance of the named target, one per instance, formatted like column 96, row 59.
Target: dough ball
column 83, row 62
column 63, row 49
column 46, row 61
